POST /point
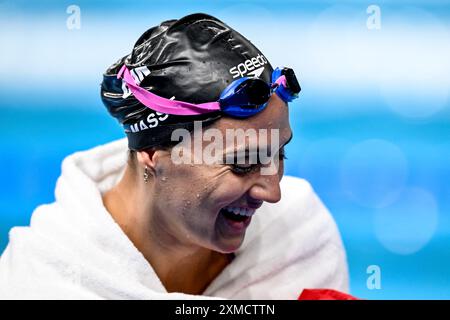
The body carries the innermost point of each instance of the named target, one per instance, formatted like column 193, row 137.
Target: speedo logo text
column 250, row 67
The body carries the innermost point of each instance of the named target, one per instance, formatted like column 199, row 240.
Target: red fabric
column 324, row 294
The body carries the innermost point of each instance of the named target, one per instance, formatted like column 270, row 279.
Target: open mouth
column 236, row 217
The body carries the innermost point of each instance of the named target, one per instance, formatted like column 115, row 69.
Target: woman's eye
column 247, row 168
column 242, row 169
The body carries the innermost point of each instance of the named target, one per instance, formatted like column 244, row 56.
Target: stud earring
column 146, row 174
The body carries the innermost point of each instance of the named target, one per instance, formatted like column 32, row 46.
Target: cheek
column 186, row 187
column 227, row 192
column 195, row 193
column 175, row 188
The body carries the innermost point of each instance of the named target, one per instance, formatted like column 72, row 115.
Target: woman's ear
column 147, row 158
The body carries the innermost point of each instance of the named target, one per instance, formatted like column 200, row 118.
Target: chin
column 229, row 246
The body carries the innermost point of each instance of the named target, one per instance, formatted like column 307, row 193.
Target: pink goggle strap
column 281, row 80
column 162, row 104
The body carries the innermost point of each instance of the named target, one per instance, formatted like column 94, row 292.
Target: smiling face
column 210, row 205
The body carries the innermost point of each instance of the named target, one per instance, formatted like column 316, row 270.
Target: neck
column 181, row 267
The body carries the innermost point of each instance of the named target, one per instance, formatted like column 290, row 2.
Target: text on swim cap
column 150, row 122
column 138, row 75
column 243, row 68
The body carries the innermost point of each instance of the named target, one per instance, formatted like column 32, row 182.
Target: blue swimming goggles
column 243, row 98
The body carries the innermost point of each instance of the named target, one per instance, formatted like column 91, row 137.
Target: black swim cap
column 192, row 59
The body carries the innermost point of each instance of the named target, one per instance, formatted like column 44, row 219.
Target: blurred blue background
column 372, row 127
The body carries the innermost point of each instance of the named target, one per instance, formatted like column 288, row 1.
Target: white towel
column 73, row 248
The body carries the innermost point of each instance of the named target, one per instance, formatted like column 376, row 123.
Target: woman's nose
column 266, row 188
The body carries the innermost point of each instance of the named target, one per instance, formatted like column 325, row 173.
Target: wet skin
column 175, row 219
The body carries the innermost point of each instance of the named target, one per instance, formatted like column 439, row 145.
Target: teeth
column 241, row 211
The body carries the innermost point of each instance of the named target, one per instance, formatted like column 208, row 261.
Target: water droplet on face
column 198, row 195
column 164, row 179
